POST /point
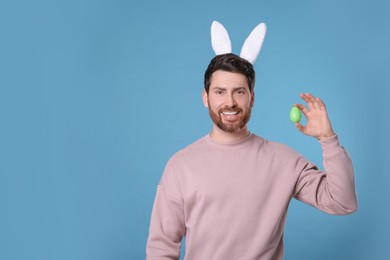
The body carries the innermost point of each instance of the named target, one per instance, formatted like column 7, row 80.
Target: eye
column 218, row 92
column 240, row 92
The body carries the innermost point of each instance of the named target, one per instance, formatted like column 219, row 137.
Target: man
column 228, row 192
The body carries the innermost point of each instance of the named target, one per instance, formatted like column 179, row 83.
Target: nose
column 231, row 102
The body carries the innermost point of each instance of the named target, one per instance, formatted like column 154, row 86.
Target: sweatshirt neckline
column 227, row 146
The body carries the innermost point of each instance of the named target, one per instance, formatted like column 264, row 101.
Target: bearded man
column 228, row 193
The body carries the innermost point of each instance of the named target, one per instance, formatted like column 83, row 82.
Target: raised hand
column 318, row 123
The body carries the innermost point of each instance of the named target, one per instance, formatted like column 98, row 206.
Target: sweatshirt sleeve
column 331, row 190
column 167, row 226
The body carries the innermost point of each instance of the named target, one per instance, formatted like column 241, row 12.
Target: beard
column 233, row 126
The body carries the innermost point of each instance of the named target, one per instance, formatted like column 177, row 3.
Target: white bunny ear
column 252, row 45
column 220, row 40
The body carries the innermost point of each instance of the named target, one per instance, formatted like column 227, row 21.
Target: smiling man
column 228, row 192
column 230, row 101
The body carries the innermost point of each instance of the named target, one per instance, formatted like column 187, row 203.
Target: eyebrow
column 234, row 89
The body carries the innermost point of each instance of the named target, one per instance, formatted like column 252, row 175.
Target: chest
column 226, row 179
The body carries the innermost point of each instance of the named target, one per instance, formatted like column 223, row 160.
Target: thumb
column 300, row 127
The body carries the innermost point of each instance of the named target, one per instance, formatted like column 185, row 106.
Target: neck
column 225, row 137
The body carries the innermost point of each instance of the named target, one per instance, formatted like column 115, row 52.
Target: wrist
column 327, row 135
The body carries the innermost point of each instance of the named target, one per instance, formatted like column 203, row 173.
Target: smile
column 230, row 113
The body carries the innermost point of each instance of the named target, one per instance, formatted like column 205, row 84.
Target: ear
column 205, row 98
column 252, row 45
column 220, row 40
column 252, row 98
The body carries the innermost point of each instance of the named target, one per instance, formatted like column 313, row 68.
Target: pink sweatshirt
column 230, row 200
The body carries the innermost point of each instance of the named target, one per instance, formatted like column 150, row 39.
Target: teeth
column 230, row 113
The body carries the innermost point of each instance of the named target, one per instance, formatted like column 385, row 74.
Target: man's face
column 229, row 101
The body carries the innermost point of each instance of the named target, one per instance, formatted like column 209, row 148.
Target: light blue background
column 95, row 96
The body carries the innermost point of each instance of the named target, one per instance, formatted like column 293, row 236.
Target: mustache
column 229, row 109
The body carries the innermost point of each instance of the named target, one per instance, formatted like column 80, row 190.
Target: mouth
column 230, row 113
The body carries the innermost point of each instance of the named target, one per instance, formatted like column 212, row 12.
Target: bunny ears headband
column 221, row 44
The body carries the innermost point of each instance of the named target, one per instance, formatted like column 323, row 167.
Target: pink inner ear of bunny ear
column 220, row 40
column 252, row 45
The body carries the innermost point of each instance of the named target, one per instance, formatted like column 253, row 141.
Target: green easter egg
column 295, row 114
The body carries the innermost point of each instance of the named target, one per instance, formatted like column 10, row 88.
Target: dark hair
column 231, row 63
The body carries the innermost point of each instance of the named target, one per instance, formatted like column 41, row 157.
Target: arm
column 167, row 226
column 332, row 190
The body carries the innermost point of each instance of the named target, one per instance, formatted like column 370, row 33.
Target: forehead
column 225, row 79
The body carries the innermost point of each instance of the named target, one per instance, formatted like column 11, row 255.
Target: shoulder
column 277, row 149
column 186, row 153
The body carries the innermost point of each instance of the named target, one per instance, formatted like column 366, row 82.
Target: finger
column 307, row 98
column 300, row 127
column 302, row 108
column 315, row 102
column 310, row 96
column 321, row 104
